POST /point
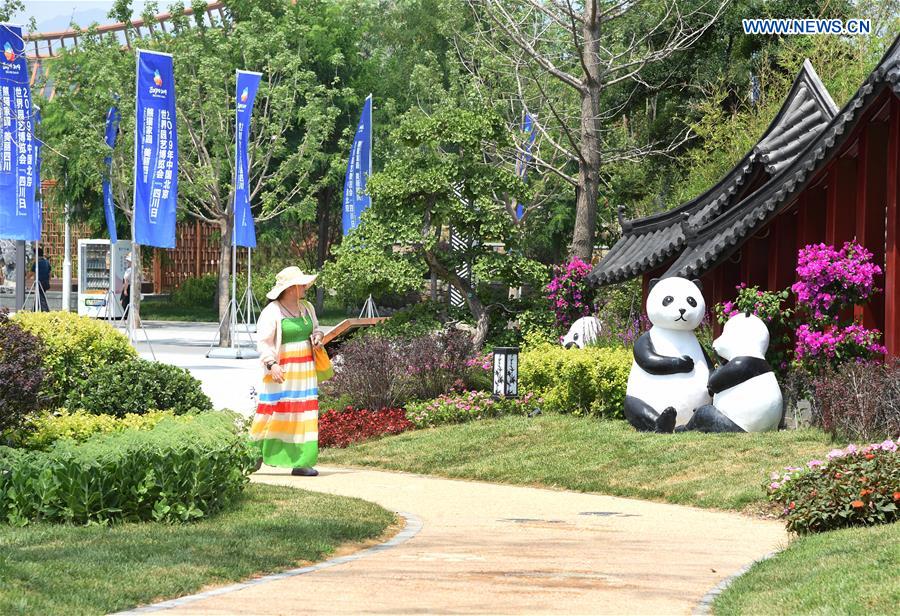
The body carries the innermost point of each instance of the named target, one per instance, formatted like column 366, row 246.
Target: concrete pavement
column 496, row 549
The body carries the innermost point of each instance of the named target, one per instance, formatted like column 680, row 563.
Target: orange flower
column 838, row 475
column 857, row 504
column 792, row 505
column 896, row 495
column 869, row 456
column 864, row 492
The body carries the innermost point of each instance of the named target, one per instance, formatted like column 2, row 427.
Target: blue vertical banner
column 20, row 215
column 38, row 161
column 358, row 169
column 522, row 160
column 155, row 151
column 247, row 86
column 112, row 128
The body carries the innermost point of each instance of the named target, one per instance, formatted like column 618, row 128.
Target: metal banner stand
column 248, row 301
column 131, row 318
column 369, row 311
column 36, row 287
column 232, row 314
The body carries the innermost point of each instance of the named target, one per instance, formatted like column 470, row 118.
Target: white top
column 268, row 328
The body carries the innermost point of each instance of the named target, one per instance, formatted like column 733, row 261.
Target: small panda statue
column 746, row 395
column 584, row 332
column 670, row 370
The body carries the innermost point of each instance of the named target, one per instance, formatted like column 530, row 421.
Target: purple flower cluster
column 829, row 279
column 569, row 295
column 485, row 362
column 833, row 342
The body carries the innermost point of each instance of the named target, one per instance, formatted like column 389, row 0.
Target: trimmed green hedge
column 50, row 426
column 139, row 386
column 588, row 381
column 184, row 468
column 74, row 347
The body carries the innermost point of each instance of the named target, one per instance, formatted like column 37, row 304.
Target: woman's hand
column 317, row 338
column 277, row 373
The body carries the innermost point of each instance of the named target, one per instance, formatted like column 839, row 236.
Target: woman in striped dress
column 286, row 423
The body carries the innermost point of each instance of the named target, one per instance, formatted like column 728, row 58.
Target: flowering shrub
column 570, row 297
column 830, row 279
column 859, row 400
column 467, row 406
column 768, row 306
column 836, row 345
column 856, row 486
column 341, row 428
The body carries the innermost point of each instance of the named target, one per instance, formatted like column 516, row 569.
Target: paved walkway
column 228, row 382
column 493, row 549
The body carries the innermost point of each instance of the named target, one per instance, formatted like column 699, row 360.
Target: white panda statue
column 746, row 395
column 584, row 332
column 670, row 371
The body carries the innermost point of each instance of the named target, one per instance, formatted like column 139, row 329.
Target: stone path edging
column 704, row 607
column 411, row 528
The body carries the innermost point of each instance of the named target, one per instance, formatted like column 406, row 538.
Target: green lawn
column 724, row 471
column 850, row 571
column 164, row 310
column 58, row 569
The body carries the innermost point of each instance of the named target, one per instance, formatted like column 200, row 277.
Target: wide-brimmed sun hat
column 290, row 277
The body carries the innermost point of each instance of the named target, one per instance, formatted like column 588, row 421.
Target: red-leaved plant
column 341, row 428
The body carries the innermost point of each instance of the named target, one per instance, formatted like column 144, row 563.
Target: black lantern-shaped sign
column 506, row 372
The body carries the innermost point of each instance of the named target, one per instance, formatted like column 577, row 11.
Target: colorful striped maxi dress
column 286, row 425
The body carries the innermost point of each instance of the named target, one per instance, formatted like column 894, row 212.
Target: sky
column 54, row 15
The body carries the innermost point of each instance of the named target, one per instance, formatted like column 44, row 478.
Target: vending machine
column 100, row 275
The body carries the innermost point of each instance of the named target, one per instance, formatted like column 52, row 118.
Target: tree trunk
column 324, row 218
column 589, row 161
column 225, row 227
column 476, row 308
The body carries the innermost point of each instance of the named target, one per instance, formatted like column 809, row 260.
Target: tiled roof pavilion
column 817, row 175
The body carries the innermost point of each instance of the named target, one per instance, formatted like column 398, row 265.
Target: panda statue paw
column 665, row 423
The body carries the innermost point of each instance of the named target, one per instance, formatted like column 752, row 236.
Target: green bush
column 183, row 469
column 74, row 347
column 414, row 321
column 856, row 486
column 467, row 406
column 588, row 381
column 196, row 292
column 139, row 386
column 79, row 426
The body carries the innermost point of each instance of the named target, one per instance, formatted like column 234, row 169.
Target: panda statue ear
column 747, row 313
column 699, row 284
column 653, row 282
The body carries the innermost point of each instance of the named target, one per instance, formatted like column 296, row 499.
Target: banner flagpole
column 242, row 233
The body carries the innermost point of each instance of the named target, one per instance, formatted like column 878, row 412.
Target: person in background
column 125, row 297
column 285, row 427
column 43, row 270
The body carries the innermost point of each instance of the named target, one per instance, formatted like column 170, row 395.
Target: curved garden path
column 497, row 549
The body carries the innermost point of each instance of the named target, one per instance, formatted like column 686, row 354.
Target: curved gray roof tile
column 648, row 242
column 710, row 246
